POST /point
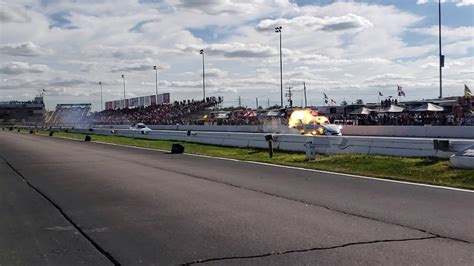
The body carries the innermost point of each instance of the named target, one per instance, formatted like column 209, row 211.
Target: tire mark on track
column 279, row 253
column 63, row 213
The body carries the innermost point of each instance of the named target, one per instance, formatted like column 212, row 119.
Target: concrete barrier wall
column 466, row 132
column 409, row 147
column 412, row 131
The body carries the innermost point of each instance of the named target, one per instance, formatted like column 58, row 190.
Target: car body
column 319, row 129
column 140, row 127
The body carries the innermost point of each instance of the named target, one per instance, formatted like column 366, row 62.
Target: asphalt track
column 66, row 202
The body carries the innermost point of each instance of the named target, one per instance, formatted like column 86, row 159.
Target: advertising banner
column 138, row 101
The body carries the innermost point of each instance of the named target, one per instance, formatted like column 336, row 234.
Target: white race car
column 310, row 122
column 315, row 128
column 140, row 127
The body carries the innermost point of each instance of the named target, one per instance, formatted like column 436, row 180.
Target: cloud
column 465, row 3
column 16, row 68
column 459, row 3
column 459, row 48
column 318, row 59
column 24, row 49
column 235, row 50
column 215, row 73
column 213, row 6
column 64, row 91
column 65, row 82
column 138, row 65
column 12, row 14
column 224, row 90
column 230, row 7
column 132, row 68
column 449, row 34
column 181, row 84
column 456, row 41
column 388, row 79
column 341, row 23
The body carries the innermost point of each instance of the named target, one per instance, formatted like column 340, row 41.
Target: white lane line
column 298, row 168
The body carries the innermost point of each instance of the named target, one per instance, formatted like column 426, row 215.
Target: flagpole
column 441, row 57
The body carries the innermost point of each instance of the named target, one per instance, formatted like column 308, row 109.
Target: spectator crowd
column 177, row 112
column 404, row 119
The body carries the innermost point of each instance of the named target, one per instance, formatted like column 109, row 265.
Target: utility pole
column 101, row 104
column 240, row 101
column 441, row 56
column 203, row 77
column 289, row 95
column 256, row 101
column 156, row 83
column 123, row 79
column 278, row 30
column 305, row 99
column 268, row 102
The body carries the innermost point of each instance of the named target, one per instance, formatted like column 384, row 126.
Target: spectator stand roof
column 276, row 113
column 393, row 109
column 362, row 111
column 429, row 107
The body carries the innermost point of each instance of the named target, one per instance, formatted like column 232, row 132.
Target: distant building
column 29, row 112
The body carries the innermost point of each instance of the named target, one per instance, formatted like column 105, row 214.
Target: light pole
column 203, row 77
column 101, row 104
column 156, row 83
column 305, row 99
column 278, row 30
column 441, row 56
column 123, row 79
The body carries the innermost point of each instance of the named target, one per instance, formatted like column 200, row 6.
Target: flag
column 467, row 92
column 380, row 94
column 333, row 102
column 325, row 96
column 44, row 90
column 400, row 91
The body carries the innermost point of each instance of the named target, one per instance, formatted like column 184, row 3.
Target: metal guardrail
column 409, row 147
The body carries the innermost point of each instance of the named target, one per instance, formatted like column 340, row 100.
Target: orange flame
column 305, row 117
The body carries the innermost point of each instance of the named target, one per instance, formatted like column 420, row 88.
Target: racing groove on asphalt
column 139, row 206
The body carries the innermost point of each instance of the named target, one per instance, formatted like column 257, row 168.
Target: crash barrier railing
column 407, row 147
column 466, row 132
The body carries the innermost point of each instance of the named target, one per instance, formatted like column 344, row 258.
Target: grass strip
column 428, row 170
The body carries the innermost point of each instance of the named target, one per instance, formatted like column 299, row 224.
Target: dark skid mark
column 307, row 250
column 61, row 211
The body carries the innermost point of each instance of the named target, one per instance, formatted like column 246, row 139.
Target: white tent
column 429, row 107
column 393, row 109
column 362, row 111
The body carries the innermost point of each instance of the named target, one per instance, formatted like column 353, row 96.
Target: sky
column 347, row 49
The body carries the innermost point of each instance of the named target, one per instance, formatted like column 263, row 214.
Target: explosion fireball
column 306, row 116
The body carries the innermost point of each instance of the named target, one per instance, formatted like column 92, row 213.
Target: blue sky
column 346, row 49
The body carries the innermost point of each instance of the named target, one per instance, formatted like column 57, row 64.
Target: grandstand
column 178, row 112
column 69, row 114
column 25, row 113
column 158, row 114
